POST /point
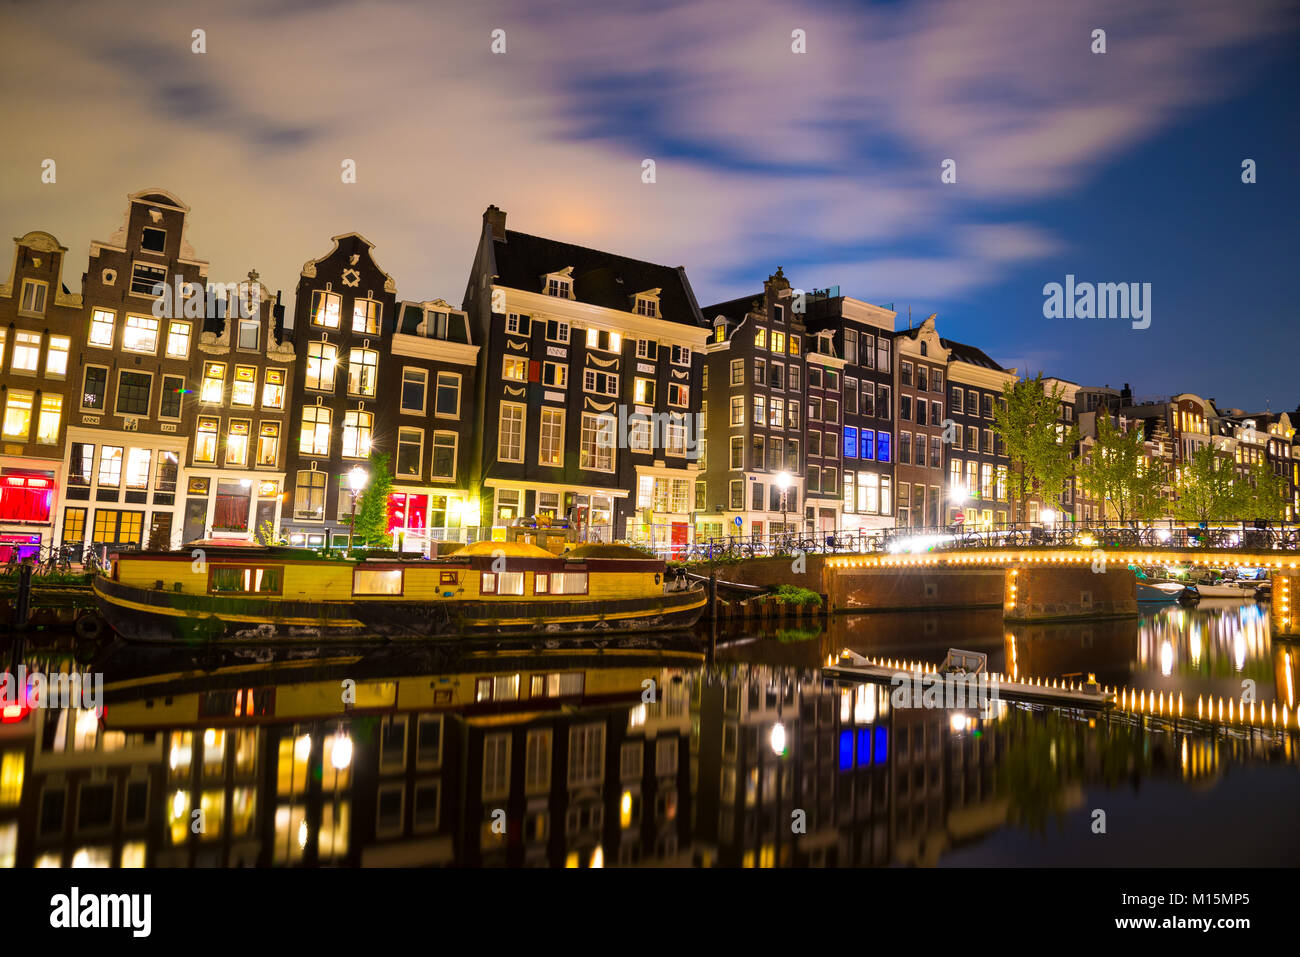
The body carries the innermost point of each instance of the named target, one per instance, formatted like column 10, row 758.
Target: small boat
column 1226, row 588
column 1160, row 591
column 499, row 589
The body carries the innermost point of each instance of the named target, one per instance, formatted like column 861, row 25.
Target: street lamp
column 1049, row 516
column 356, row 481
column 783, row 481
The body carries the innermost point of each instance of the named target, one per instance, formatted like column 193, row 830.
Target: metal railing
column 1240, row 535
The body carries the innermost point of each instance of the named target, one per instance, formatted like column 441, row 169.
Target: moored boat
column 1148, row 591
column 485, row 589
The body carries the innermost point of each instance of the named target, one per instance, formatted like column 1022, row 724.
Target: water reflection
column 620, row 754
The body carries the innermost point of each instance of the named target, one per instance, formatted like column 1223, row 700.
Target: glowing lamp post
column 357, row 479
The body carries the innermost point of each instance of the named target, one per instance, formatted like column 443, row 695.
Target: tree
column 1205, row 488
column 1261, row 495
column 1120, row 476
column 372, row 504
column 1039, row 448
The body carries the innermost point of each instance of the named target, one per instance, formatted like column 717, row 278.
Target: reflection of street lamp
column 356, row 481
column 957, row 498
column 783, row 483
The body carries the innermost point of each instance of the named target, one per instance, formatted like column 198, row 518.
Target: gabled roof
column 961, row 352
column 599, row 278
column 733, row 309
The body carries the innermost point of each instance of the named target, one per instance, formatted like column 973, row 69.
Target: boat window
column 237, row 579
column 506, row 583
column 556, row 685
column 540, row 583
column 569, row 583
column 377, row 581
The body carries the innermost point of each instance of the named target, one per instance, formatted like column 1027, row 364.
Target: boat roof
column 602, row 550
column 508, row 549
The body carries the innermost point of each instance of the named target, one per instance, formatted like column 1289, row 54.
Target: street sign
column 739, row 521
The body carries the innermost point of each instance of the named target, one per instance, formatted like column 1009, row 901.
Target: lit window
column 514, row 369
column 325, row 309
column 56, row 357
column 365, row 315
column 309, row 495
column 510, row 433
column 363, row 372
column 551, row 450
column 321, row 361
column 243, row 392
column 357, row 430
column 18, row 414
column 33, row 300
column 47, row 428
column 148, row 280
column 110, row 466
column 178, row 340
column 268, row 444
column 101, row 328
column 377, row 581
column 140, row 334
column 273, row 389
column 643, row 391
column 214, row 382
column 315, row 437
column 597, row 447
column 237, row 443
column 205, row 445
column 27, row 352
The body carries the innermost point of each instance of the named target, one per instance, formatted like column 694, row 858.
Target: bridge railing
column 1247, row 535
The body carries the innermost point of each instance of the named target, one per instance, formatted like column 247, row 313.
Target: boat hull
column 1154, row 593
column 1225, row 591
column 152, row 616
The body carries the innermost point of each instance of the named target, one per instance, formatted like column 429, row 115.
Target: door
column 196, row 519
column 160, row 530
column 680, row 537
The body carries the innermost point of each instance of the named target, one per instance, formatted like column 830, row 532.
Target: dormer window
column 559, row 284
column 153, row 240
column 778, row 313
column 647, row 303
column 33, row 297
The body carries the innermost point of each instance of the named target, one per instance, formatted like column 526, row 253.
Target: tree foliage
column 1206, row 488
column 1262, row 495
column 372, row 504
column 1119, row 474
column 1040, row 450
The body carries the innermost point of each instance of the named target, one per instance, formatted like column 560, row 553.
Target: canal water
column 724, row 748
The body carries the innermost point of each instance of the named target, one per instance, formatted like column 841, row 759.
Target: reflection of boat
column 488, row 588
column 1160, row 591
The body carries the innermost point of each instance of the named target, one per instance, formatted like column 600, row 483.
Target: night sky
column 1115, row 167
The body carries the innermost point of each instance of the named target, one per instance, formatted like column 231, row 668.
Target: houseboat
column 240, row 594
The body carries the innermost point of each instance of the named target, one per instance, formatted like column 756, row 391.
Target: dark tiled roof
column 961, row 352
column 733, row 309
column 599, row 278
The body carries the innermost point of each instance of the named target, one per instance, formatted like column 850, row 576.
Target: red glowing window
column 25, row 498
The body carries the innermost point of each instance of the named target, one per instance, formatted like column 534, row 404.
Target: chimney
column 496, row 218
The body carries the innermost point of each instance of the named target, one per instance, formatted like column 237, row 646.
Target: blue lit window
column 868, row 444
column 864, row 744
column 850, row 442
column 882, row 745
column 882, row 446
column 846, row 750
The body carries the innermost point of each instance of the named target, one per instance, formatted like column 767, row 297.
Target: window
column 363, row 372
column 214, row 383
column 604, row 340
column 558, row 287
column 27, row 352
column 377, row 581
column 510, row 432
column 777, row 380
column 205, row 444
column 760, row 410
column 56, row 357
column 601, row 383
column 18, row 414
column 586, row 754
column 792, row 378
column 850, row 442
column 243, row 391
column 410, row 451
column 936, row 412
column 555, row 375
column 646, row 307
column 737, row 371
column 153, row 240
column 268, row 445
column 760, row 338
column 249, row 334
column 365, row 316
column 33, row 297
column 138, row 462
column 145, row 280
column 110, row 466
column 830, row 480
column 736, row 494
column 325, row 309
column 815, row 443
column 557, row 331
column 681, row 356
column 760, row 372
column 882, row 447
column 551, row 445
column 643, row 391
column 905, row 374
column 358, row 426
column 647, row 349
column 309, row 495
column 792, row 415
column 596, row 451
column 815, row 377
column 273, row 389
column 518, row 325
column 737, row 410
column 133, row 393
column 47, row 428
column 936, row 381
column 101, row 328
column 678, row 394
column 776, row 412
column 514, row 369
column 415, row 383
column 241, row 579
column 447, row 399
column 140, row 334
column 778, row 341
column 794, row 345
column 444, row 455
column 315, row 436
